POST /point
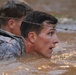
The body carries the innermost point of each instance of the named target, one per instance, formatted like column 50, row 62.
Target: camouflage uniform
column 10, row 45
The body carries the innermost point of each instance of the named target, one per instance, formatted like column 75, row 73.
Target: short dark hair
column 33, row 22
column 13, row 9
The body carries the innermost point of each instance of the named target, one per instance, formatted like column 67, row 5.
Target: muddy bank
column 59, row 8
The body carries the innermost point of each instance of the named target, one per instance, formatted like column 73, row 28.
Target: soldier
column 39, row 31
column 12, row 13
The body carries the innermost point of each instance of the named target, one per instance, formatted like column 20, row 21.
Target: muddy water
column 63, row 60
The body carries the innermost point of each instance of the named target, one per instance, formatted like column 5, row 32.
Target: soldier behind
column 12, row 13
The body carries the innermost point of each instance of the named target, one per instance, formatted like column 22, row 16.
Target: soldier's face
column 16, row 27
column 46, row 40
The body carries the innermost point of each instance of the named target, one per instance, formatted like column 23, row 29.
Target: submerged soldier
column 39, row 36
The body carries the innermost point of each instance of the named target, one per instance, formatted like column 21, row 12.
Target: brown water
column 63, row 61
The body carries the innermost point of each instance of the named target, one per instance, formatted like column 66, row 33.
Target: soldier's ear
column 11, row 23
column 32, row 36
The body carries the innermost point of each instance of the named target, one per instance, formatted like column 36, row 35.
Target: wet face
column 46, row 40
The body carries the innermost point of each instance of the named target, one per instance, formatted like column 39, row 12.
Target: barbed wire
column 66, row 29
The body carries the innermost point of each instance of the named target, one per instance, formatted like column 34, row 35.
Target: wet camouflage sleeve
column 9, row 48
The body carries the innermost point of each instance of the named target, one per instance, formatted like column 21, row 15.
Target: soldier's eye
column 51, row 33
